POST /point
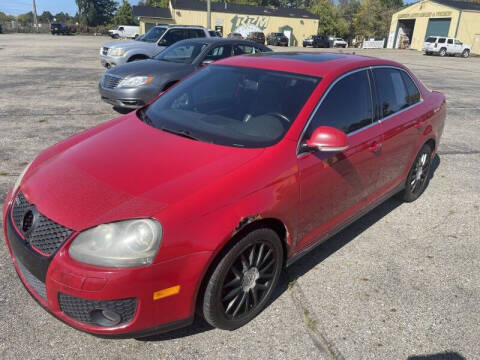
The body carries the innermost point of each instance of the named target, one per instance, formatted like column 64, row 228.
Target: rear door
column 401, row 120
column 334, row 185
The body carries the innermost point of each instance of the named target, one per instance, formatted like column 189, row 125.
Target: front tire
column 418, row 176
column 244, row 280
column 466, row 53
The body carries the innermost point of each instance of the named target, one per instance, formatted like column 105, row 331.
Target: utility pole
column 209, row 15
column 35, row 23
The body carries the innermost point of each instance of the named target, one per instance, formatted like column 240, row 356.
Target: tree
column 124, row 15
column 330, row 19
column 157, row 3
column 374, row 16
column 25, row 19
column 45, row 18
column 6, row 18
column 96, row 12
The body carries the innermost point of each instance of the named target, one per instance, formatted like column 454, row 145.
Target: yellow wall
column 421, row 12
column 302, row 28
column 469, row 30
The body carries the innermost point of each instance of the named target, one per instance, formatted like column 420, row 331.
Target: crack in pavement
column 325, row 347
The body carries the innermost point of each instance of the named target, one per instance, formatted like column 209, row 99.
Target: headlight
column 126, row 243
column 20, row 177
column 116, row 52
column 135, row 81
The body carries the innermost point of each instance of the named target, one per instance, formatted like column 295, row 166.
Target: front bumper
column 131, row 98
column 50, row 279
column 109, row 61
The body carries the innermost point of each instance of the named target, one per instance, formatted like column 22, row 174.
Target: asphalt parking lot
column 403, row 282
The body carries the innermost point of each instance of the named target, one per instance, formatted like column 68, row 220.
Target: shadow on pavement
column 440, row 356
column 308, row 262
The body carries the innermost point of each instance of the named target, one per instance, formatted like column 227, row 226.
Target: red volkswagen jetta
column 195, row 203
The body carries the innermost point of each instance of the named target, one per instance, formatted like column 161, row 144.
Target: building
column 296, row 24
column 452, row 18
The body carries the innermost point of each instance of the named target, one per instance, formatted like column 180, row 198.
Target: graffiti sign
column 245, row 24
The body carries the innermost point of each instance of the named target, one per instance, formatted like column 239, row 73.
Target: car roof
column 217, row 40
column 307, row 63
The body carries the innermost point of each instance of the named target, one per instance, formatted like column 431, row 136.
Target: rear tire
column 243, row 281
column 443, row 52
column 418, row 176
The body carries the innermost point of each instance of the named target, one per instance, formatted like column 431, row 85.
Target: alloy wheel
column 419, row 173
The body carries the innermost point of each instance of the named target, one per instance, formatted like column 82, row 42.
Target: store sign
column 245, row 24
column 425, row 14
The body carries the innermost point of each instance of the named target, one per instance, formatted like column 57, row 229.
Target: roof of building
column 150, row 11
column 197, row 5
column 461, row 5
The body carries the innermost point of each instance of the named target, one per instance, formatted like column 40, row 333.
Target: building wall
column 469, row 30
column 154, row 21
column 421, row 12
column 301, row 28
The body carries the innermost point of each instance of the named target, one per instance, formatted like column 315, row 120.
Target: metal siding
column 438, row 27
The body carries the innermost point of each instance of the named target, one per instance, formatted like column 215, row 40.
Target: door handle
column 375, row 147
column 418, row 125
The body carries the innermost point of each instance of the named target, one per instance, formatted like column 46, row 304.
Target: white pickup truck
column 442, row 46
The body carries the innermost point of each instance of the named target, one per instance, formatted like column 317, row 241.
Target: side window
column 392, row 94
column 195, row 33
column 413, row 93
column 450, row 41
column 219, row 52
column 441, row 40
column 245, row 49
column 172, row 36
column 347, row 106
column 120, row 28
column 457, row 42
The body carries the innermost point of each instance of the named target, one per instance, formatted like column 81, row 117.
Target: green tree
column 374, row 16
column 157, row 3
column 96, row 12
column 124, row 15
column 46, row 17
column 4, row 17
column 330, row 18
column 25, row 19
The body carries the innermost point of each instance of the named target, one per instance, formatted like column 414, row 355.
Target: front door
column 334, row 185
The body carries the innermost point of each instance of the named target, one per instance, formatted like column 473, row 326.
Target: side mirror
column 326, row 138
column 206, row 62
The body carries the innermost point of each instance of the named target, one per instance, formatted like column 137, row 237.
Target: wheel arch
column 138, row 56
column 244, row 226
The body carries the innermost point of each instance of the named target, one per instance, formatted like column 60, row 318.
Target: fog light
column 105, row 317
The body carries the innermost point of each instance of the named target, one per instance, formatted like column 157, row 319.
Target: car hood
column 148, row 67
column 132, row 44
column 123, row 169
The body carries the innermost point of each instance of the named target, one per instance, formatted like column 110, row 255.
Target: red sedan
column 195, row 203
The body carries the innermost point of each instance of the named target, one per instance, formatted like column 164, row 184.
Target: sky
column 16, row 7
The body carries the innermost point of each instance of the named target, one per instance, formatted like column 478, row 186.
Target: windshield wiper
column 184, row 133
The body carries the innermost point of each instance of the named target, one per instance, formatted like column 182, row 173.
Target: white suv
column 442, row 46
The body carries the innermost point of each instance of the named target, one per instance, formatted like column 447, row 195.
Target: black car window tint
column 347, row 106
column 412, row 90
column 219, row 52
column 392, row 94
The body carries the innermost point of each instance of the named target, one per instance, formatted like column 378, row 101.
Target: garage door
column 438, row 27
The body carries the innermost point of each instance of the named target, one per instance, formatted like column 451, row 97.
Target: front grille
column 105, row 50
column 39, row 231
column 110, row 82
column 34, row 283
column 84, row 310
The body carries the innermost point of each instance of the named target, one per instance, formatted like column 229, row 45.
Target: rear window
column 431, row 39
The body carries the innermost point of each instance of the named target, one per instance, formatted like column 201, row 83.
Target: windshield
column 153, row 34
column 181, row 52
column 233, row 106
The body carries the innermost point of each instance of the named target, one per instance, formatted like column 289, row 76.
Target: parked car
column 235, row 36
column 60, row 29
column 317, row 41
column 339, row 42
column 157, row 39
column 442, row 46
column 214, row 33
column 258, row 37
column 194, row 204
column 277, row 39
column 135, row 84
column 124, row 31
